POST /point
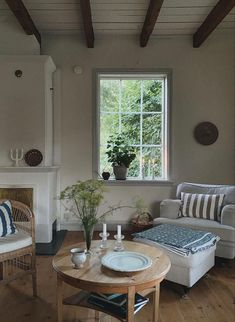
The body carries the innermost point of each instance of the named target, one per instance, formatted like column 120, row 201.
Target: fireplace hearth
column 52, row 247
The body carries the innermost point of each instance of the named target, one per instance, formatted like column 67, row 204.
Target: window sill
column 129, row 182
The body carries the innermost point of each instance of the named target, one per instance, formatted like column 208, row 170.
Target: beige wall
column 14, row 41
column 26, row 106
column 202, row 90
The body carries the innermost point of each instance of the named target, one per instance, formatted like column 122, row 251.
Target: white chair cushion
column 15, row 241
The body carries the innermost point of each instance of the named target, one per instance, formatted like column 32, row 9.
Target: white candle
column 104, row 229
column 119, row 230
column 149, row 165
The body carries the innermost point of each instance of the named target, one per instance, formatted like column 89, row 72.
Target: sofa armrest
column 170, row 208
column 228, row 215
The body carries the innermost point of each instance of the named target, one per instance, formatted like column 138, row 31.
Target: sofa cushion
column 7, row 226
column 226, row 233
column 201, row 206
column 15, row 241
column 228, row 190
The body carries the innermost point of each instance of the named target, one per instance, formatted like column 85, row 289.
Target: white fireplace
column 43, row 181
column 30, row 106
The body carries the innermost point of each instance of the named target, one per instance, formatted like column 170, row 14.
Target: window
column 137, row 105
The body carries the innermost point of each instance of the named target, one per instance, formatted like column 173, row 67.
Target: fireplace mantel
column 29, row 169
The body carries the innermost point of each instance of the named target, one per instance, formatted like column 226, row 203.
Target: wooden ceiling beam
column 150, row 21
column 217, row 14
column 87, row 22
column 24, row 18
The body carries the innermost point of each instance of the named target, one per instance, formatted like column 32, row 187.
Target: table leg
column 59, row 299
column 156, row 303
column 1, row 271
column 130, row 304
column 97, row 316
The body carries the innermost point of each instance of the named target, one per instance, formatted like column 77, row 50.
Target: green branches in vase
column 84, row 199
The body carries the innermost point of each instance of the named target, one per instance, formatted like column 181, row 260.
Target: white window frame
column 165, row 76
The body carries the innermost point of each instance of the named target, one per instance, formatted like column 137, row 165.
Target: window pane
column 152, row 162
column 104, row 164
column 131, row 126
column 134, row 169
column 109, row 95
column 152, row 96
column 152, row 129
column 131, row 94
column 108, row 126
column 134, row 105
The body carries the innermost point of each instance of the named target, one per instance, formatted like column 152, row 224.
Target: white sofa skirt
column 186, row 270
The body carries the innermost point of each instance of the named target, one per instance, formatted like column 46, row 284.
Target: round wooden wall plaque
column 33, row 157
column 206, row 133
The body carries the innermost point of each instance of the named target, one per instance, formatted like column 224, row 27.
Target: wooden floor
column 212, row 299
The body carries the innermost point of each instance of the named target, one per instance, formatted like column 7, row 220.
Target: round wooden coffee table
column 94, row 277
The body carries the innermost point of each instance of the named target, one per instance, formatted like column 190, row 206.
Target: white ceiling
column 177, row 17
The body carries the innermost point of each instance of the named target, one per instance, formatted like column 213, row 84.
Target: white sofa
column 225, row 229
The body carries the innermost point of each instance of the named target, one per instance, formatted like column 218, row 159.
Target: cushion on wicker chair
column 7, row 226
column 15, row 241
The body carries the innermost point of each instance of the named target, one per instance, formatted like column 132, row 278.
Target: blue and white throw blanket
column 178, row 239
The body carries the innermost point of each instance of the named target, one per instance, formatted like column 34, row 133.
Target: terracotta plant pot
column 120, row 172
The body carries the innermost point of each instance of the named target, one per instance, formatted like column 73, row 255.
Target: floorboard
column 210, row 300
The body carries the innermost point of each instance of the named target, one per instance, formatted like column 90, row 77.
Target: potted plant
column 84, row 199
column 142, row 219
column 120, row 154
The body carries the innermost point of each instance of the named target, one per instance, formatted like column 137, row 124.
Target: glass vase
column 88, row 230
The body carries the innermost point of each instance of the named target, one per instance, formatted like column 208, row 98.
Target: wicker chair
column 17, row 251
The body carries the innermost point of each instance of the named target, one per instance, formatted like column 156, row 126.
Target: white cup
column 78, row 257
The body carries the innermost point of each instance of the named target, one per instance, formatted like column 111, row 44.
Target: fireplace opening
column 24, row 195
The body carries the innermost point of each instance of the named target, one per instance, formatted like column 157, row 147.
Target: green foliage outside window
column 133, row 107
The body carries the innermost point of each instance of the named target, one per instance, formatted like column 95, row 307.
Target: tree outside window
column 135, row 105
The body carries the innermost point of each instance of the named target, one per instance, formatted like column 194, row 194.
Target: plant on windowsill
column 120, row 154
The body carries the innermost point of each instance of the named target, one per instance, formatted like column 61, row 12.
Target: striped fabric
column 201, row 205
column 7, row 226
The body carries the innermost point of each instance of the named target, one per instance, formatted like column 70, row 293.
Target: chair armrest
column 228, row 215
column 23, row 218
column 170, row 208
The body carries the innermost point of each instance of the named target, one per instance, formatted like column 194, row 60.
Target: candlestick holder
column 16, row 156
column 118, row 243
column 153, row 172
column 104, row 240
column 143, row 172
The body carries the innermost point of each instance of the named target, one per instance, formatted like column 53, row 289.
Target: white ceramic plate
column 126, row 261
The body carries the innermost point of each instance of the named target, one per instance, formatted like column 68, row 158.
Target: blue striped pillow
column 7, row 226
column 201, row 205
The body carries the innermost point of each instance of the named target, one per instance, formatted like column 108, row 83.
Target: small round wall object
column 78, row 257
column 18, row 73
column 77, row 70
column 206, row 133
